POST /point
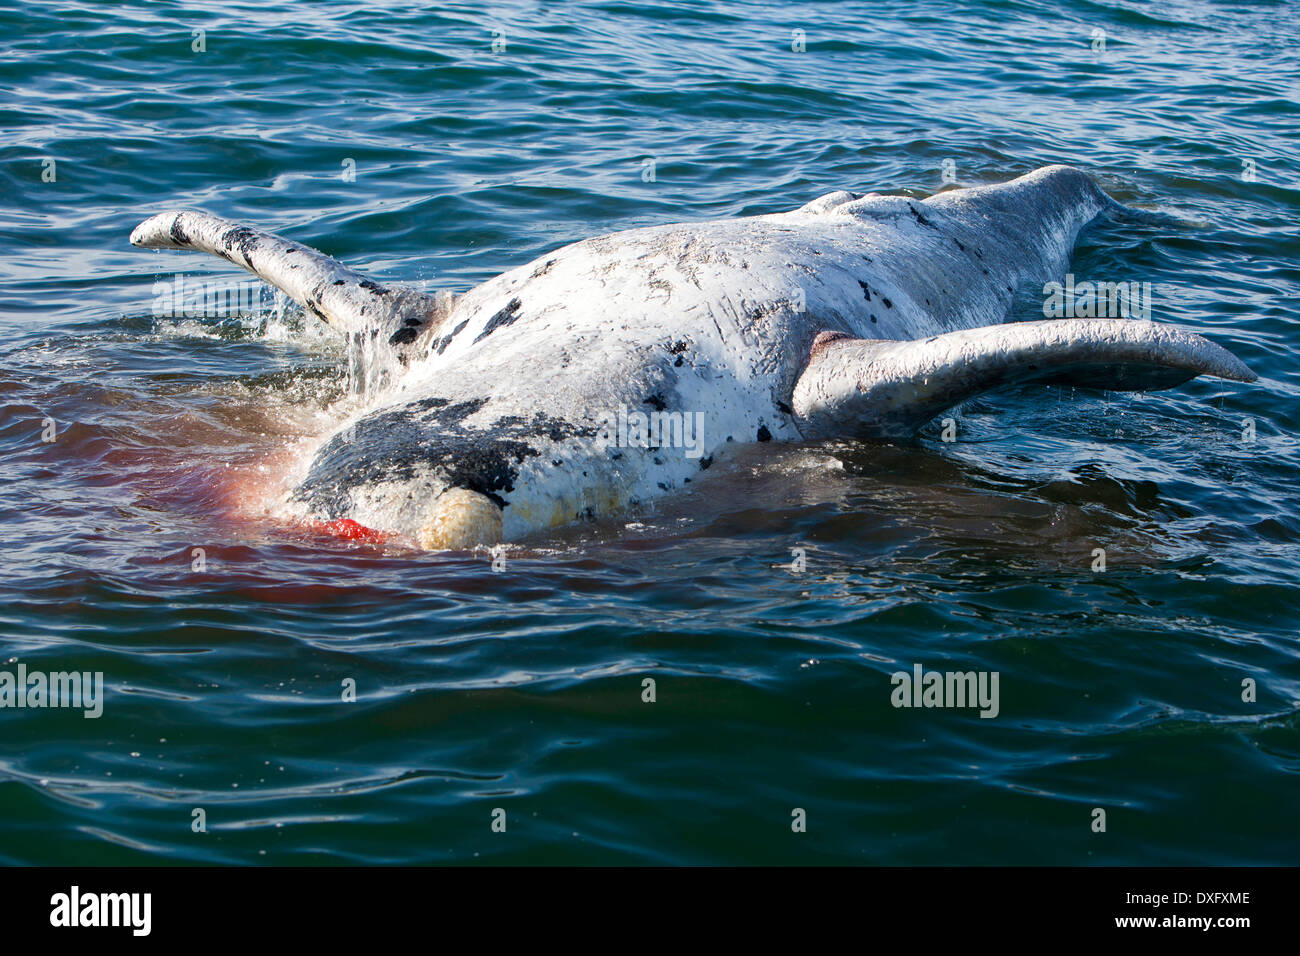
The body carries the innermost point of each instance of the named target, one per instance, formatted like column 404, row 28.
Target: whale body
column 614, row 370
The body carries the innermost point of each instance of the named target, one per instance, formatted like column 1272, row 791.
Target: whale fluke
column 888, row 389
column 329, row 290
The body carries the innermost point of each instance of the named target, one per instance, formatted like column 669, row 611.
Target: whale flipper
column 326, row 288
column 879, row 388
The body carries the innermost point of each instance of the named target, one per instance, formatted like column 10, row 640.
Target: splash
column 372, row 364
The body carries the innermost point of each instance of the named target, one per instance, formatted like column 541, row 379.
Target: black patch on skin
column 866, row 290
column 920, row 218
column 179, row 235
column 394, row 444
column 888, row 304
column 764, row 434
column 543, row 269
column 446, row 339
column 374, row 287
column 784, row 408
column 705, row 463
column 959, row 245
column 656, row 402
column 676, row 348
column 241, row 238
column 405, row 335
column 337, row 282
column 873, row 320
column 313, row 302
column 755, row 314
column 505, row 317
column 553, row 428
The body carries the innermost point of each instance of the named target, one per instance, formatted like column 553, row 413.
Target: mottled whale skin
column 855, row 316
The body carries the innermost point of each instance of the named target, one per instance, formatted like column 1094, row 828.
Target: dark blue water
column 522, row 689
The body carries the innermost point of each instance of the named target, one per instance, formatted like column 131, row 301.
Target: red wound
column 349, row 530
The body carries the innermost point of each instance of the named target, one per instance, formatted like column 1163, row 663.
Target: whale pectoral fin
column 879, row 388
column 323, row 286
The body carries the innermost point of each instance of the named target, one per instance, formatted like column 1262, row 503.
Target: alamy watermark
column 923, row 688
column 1096, row 300
column 187, row 297
column 81, row 690
column 129, row 910
column 658, row 429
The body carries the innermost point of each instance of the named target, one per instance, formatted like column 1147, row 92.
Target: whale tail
column 874, row 388
column 324, row 287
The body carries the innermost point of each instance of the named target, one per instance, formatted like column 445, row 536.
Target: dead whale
column 613, row 370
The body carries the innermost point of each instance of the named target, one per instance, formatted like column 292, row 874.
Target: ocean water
column 443, row 143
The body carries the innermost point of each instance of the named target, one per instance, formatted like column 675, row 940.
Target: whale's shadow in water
column 975, row 501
